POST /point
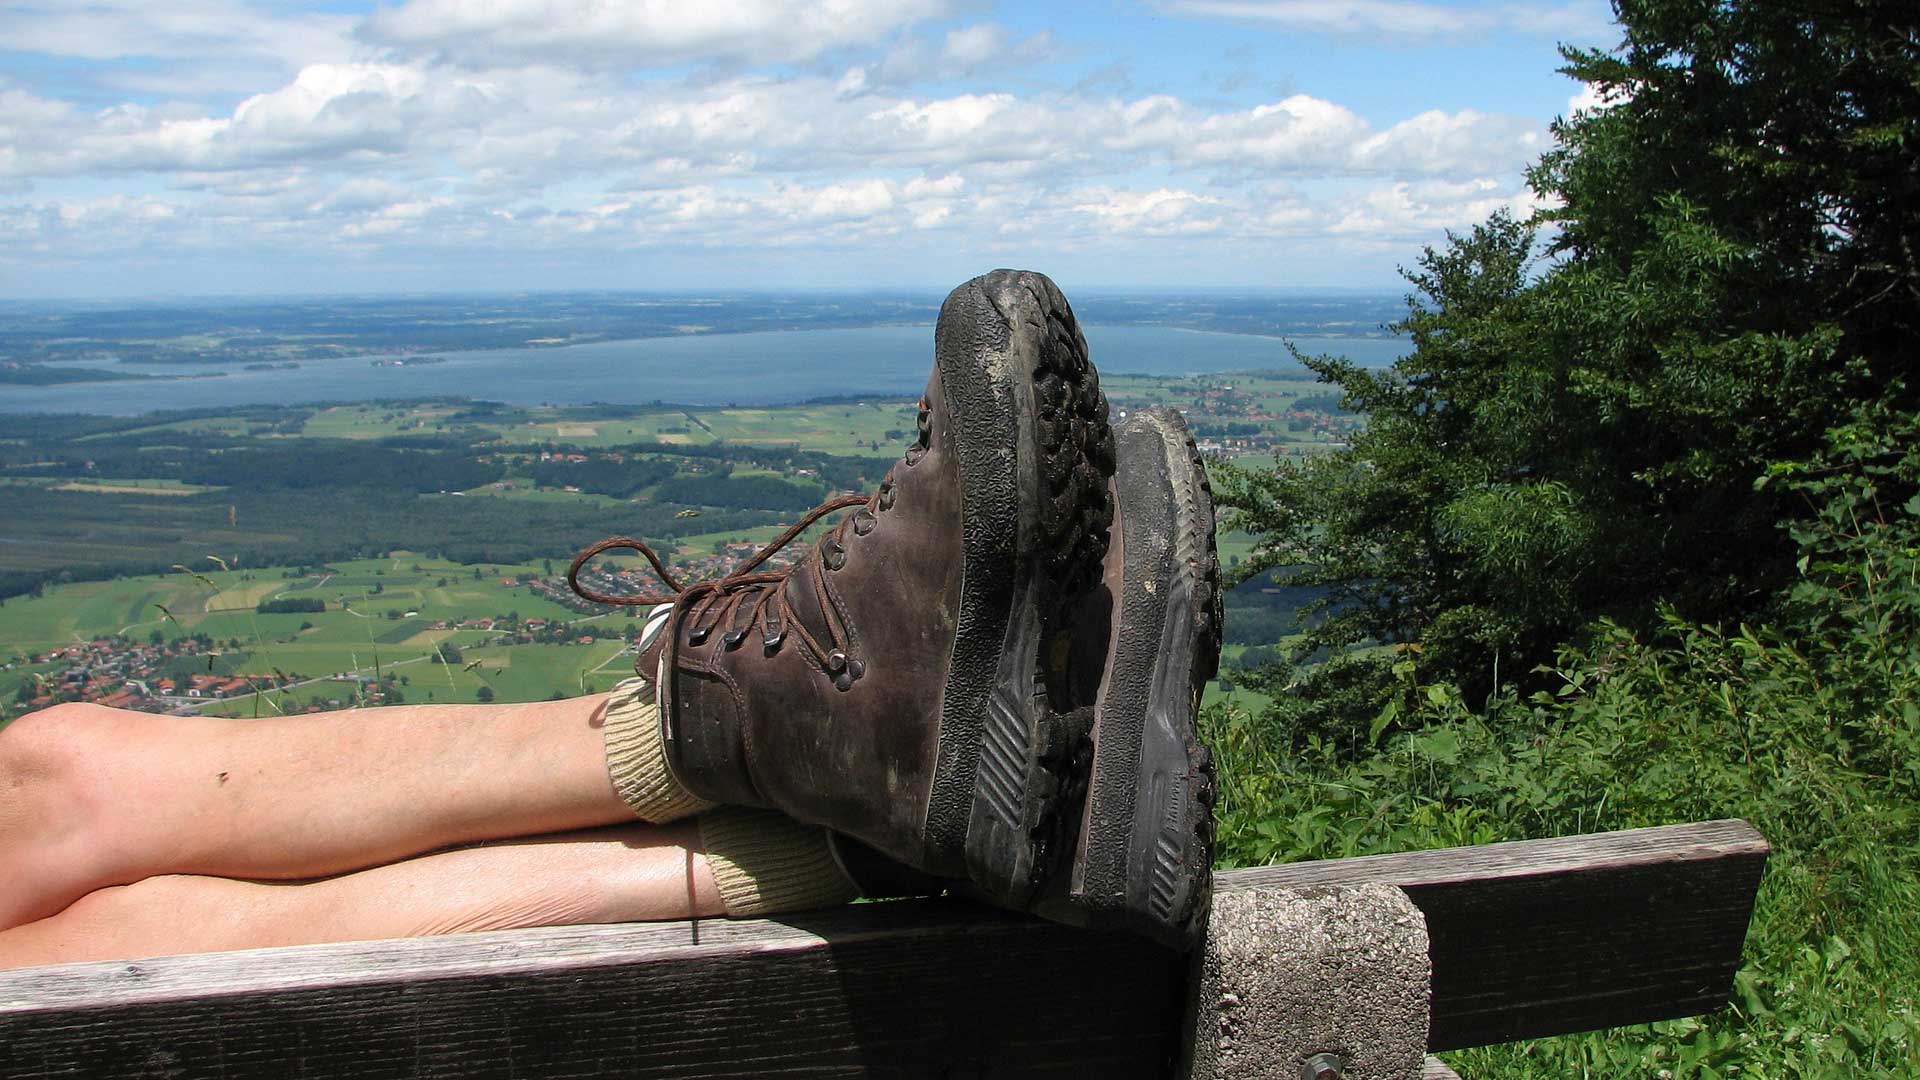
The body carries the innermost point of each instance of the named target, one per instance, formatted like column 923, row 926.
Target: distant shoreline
column 740, row 367
column 425, row 356
column 584, row 408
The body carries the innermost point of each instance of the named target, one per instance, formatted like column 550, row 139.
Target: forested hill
column 87, row 498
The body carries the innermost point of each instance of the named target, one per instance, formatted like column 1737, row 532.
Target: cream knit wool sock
column 765, row 862
column 637, row 761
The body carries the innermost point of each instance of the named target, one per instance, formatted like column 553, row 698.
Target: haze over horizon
column 228, row 148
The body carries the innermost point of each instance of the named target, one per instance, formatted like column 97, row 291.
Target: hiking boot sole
column 1029, row 426
column 1146, row 847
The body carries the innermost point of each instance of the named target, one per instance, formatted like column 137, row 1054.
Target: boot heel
column 1029, row 792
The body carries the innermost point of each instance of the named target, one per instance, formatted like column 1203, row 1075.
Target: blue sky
column 222, row 146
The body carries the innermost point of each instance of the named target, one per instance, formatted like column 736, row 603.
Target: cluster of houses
column 1221, row 406
column 556, row 590
column 124, row 674
column 512, row 630
column 730, row 556
column 549, row 455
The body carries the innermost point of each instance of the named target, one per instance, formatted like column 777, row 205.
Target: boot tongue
column 646, row 651
column 804, row 604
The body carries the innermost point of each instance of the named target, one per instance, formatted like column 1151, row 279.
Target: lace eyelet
column 699, row 635
column 732, row 638
column 833, row 554
column 914, row 454
column 864, row 521
column 837, row 661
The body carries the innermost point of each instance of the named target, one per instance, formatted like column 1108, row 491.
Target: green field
column 835, row 428
column 378, row 621
column 379, row 617
column 379, row 613
column 838, row 427
column 513, row 673
column 216, row 425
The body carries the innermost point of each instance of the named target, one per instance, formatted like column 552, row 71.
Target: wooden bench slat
column 1528, row 939
column 1545, row 937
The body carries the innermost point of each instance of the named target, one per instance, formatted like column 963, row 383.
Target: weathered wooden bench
column 1526, row 939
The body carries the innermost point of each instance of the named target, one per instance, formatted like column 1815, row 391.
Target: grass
column 1808, row 727
column 835, row 428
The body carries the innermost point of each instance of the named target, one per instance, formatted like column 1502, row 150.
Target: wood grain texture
column 1437, row 1070
column 1528, row 939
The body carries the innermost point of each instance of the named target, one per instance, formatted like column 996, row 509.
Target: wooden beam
column 1546, row 937
column 1528, row 939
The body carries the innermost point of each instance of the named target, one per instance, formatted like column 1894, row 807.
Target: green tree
column 1596, row 396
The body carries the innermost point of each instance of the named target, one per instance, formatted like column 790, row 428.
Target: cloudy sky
column 224, row 146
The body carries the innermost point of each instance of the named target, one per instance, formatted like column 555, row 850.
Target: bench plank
column 1546, row 937
column 1528, row 939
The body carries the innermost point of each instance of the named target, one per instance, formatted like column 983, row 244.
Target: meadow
column 838, row 427
column 379, row 618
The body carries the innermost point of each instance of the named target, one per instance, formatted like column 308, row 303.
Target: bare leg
column 618, row 874
column 92, row 797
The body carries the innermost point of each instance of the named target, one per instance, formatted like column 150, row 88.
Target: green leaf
column 1382, row 722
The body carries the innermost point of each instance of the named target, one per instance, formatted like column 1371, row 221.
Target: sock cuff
column 637, row 759
column 765, row 862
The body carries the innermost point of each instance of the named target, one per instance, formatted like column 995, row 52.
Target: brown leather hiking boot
column 1145, row 854
column 906, row 683
column 1145, row 642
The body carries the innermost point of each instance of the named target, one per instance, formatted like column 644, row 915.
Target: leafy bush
column 1806, row 724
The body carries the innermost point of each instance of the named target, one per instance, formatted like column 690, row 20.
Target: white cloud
column 1160, row 212
column 1403, row 213
column 329, row 113
column 383, row 150
column 1592, row 98
column 176, row 30
column 1578, row 23
column 201, row 50
column 639, row 33
column 1297, row 133
column 1587, row 22
column 535, row 126
column 1467, row 141
column 968, row 50
column 1334, row 16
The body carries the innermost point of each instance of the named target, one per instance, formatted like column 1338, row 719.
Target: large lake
column 778, row 367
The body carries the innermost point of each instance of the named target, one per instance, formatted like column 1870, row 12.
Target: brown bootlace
column 743, row 586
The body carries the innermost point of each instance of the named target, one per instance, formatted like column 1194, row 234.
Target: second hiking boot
column 905, row 683
column 1145, row 853
column 1144, row 644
